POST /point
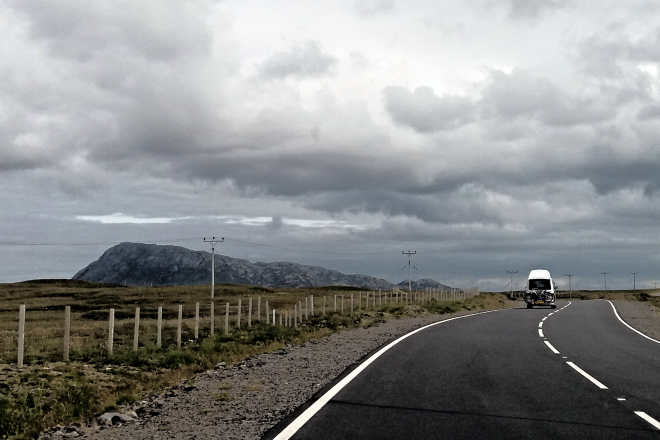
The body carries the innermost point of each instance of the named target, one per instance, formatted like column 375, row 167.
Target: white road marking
column 294, row 426
column 620, row 399
column 540, row 324
column 585, row 374
column 545, row 318
column 649, row 419
column 541, row 333
column 554, row 350
column 626, row 324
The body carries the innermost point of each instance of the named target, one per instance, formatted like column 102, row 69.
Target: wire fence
column 44, row 334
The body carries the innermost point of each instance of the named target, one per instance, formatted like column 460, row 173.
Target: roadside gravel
column 246, row 400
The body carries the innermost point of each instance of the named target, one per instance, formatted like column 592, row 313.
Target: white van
column 540, row 289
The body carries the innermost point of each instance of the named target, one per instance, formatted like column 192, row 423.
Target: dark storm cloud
column 302, row 60
column 426, row 112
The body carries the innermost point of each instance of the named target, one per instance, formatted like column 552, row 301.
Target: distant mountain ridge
column 138, row 264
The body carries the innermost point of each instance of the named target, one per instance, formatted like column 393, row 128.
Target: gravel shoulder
column 246, row 400
column 641, row 316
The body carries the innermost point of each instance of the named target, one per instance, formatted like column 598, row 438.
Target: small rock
column 112, row 418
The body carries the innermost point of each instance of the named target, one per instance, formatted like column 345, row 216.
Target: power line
column 570, row 289
column 213, row 242
column 409, row 271
column 605, row 280
column 512, row 272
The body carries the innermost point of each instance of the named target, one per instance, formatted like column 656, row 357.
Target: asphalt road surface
column 572, row 372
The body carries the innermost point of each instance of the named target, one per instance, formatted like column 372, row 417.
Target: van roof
column 539, row 274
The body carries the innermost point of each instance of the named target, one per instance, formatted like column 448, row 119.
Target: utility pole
column 570, row 289
column 655, row 284
column 605, row 280
column 512, row 272
column 213, row 242
column 409, row 269
column 634, row 273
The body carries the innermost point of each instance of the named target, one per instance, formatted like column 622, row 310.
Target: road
column 572, row 372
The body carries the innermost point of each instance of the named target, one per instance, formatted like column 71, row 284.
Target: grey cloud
column 366, row 8
column 533, row 8
column 80, row 30
column 301, row 60
column 425, row 111
column 606, row 54
column 649, row 112
column 521, row 94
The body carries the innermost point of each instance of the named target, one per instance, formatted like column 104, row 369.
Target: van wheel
column 554, row 306
column 529, row 306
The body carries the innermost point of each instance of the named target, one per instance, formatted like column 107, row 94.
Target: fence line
column 238, row 316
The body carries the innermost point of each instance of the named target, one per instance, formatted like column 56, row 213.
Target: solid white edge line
column 541, row 333
column 294, row 426
column 648, row 418
column 554, row 350
column 584, row 373
column 627, row 325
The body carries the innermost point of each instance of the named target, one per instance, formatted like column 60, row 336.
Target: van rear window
column 539, row 284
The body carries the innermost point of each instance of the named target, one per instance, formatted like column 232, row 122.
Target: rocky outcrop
column 138, row 264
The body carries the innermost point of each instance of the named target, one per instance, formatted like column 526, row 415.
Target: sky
column 486, row 136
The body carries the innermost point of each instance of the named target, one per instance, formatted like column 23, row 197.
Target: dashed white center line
column 540, row 324
column 541, row 333
column 648, row 418
column 545, row 318
column 554, row 350
column 585, row 374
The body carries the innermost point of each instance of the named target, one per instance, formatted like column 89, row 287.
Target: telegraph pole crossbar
column 213, row 242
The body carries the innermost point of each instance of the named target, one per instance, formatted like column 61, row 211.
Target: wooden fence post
column 324, row 304
column 259, row 309
column 335, row 303
column 178, row 328
column 227, row 319
column 137, row 328
column 360, row 302
column 342, row 304
column 280, row 320
column 67, row 331
column 273, row 316
column 111, row 330
column 300, row 311
column 351, row 304
column 212, row 318
column 311, row 302
column 238, row 321
column 160, row 327
column 306, row 308
column 21, row 334
column 197, row 320
column 250, row 312
column 267, row 314
column 295, row 315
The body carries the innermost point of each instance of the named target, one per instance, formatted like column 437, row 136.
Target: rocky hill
column 422, row 284
column 137, row 264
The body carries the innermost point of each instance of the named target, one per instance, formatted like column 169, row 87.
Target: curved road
column 572, row 372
